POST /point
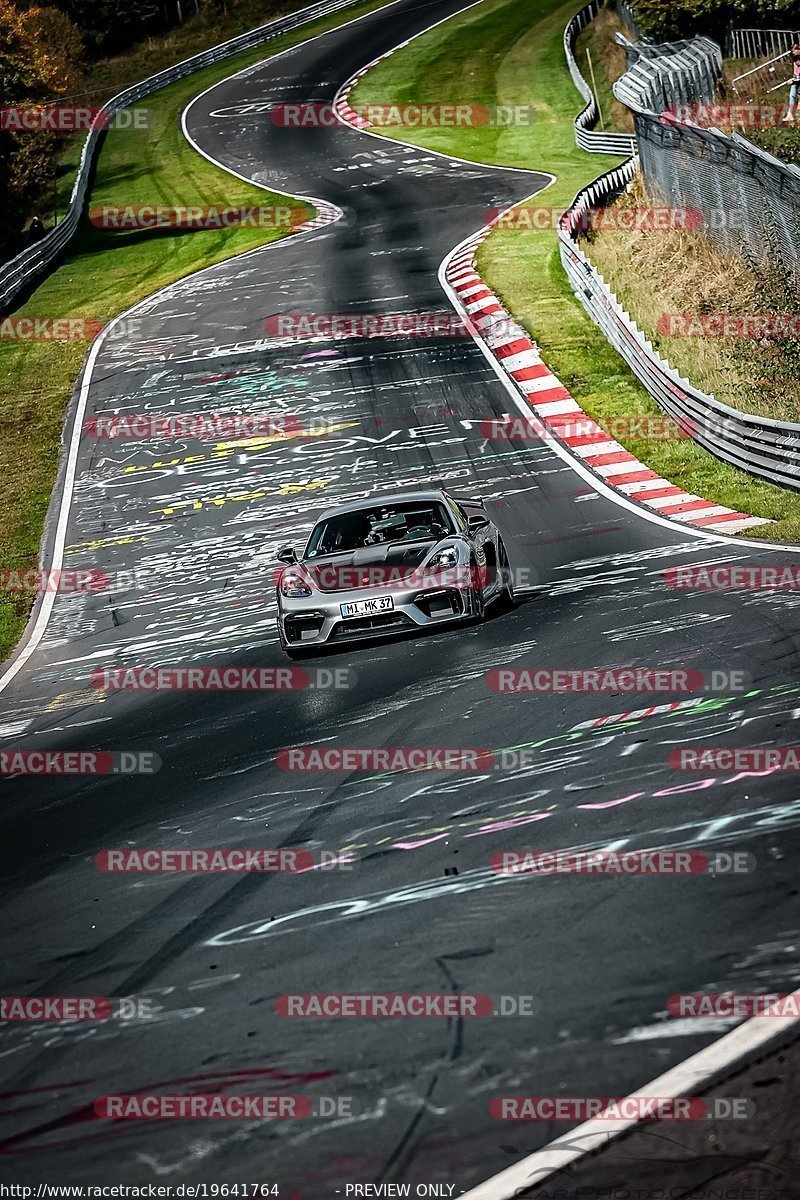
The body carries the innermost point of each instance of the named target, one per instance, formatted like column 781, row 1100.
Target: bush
column 686, row 18
column 40, row 61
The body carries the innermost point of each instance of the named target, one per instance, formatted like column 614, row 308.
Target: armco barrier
column 697, row 167
column 763, row 447
column 586, row 136
column 17, row 273
column 670, row 73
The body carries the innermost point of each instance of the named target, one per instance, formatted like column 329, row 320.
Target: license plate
column 367, row 608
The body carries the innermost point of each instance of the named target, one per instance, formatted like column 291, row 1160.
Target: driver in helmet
column 388, row 527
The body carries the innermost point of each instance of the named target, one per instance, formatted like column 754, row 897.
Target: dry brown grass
column 676, row 271
column 608, row 60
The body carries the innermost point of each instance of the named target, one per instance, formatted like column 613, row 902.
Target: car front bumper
column 317, row 620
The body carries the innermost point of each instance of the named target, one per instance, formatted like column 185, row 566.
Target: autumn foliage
column 41, row 55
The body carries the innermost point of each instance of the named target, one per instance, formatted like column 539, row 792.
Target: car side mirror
column 477, row 522
column 286, row 554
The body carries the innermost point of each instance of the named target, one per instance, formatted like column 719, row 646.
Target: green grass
column 510, row 51
column 103, row 274
column 106, row 77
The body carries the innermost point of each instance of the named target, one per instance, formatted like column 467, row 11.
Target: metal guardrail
column 19, row 272
column 761, row 446
column 751, row 200
column 586, row 136
column 660, row 76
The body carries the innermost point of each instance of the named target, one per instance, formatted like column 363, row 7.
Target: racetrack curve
column 419, row 909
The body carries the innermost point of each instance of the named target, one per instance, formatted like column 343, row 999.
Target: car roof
column 378, row 499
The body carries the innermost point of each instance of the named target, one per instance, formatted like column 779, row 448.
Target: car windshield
column 411, row 521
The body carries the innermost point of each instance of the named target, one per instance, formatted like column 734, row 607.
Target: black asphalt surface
column 417, row 907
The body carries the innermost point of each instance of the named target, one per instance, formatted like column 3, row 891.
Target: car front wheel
column 477, row 602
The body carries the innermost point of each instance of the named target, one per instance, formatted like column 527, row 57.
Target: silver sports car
column 389, row 564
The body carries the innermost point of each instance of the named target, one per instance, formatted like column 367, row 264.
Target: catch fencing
column 693, row 168
column 749, row 199
column 766, row 448
column 20, row 272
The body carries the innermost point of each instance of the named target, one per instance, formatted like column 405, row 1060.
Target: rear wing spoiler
column 476, row 501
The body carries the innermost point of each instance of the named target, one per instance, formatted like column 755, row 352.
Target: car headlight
column 447, row 557
column 294, row 584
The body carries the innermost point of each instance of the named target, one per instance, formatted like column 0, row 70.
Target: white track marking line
column 341, row 98
column 687, row 1079
column 34, row 633
column 32, row 638
column 463, row 253
column 568, row 456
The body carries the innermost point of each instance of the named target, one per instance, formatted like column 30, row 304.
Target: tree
column 108, row 26
column 40, row 61
column 685, row 18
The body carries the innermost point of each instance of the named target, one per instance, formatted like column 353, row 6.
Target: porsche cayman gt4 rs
column 387, row 565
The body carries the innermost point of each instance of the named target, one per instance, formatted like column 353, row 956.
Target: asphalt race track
column 415, row 906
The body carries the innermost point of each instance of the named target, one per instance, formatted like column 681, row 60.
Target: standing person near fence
column 794, row 90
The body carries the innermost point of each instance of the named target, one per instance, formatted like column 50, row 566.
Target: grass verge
column 677, row 271
column 608, row 59
column 103, row 274
column 507, row 51
column 106, row 77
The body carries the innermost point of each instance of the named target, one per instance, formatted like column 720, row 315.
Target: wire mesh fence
column 763, row 447
column 750, row 200
column 750, row 203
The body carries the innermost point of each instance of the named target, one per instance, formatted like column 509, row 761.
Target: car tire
column 477, row 602
column 506, row 594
